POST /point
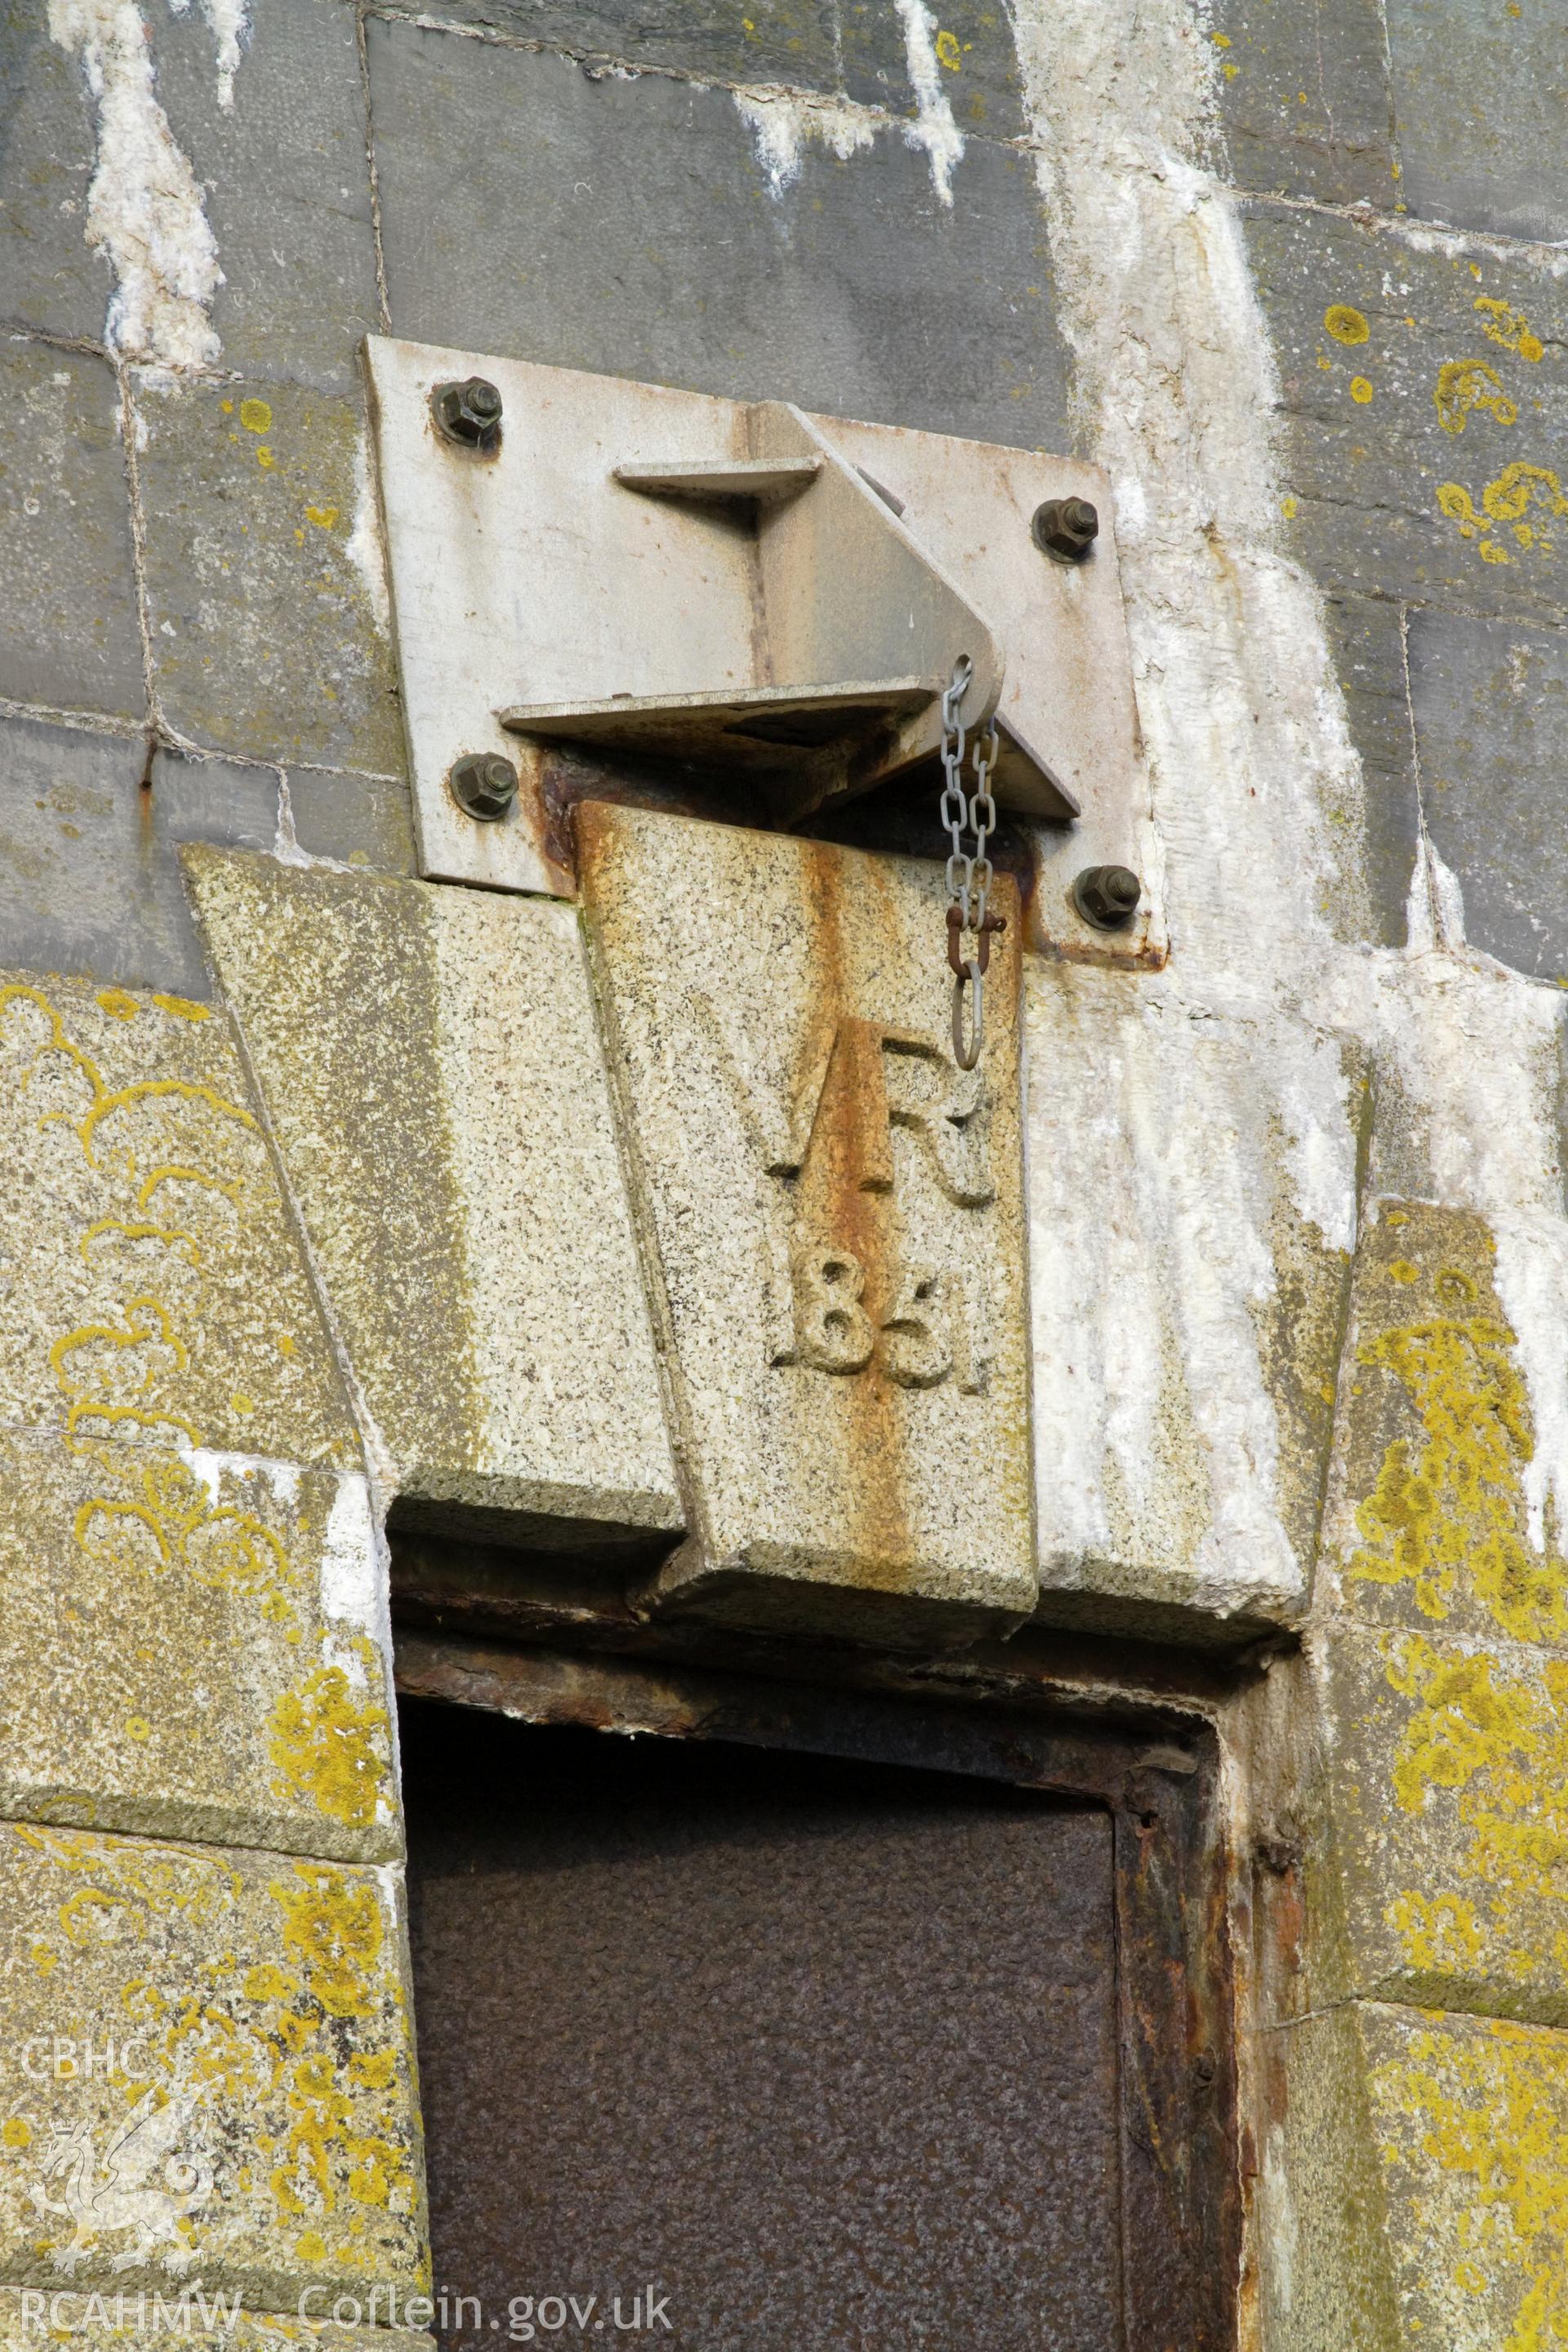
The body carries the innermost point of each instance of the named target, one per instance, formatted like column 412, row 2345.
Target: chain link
column 970, row 873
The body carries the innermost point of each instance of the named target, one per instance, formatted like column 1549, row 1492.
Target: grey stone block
column 357, row 819
column 49, row 276
column 649, row 242
column 286, row 185
column 977, row 63
column 1304, row 101
column 1427, row 399
column 262, row 574
column 1491, row 717
column 1366, row 640
column 68, row 632
column 89, row 881
column 794, row 41
column 1481, row 99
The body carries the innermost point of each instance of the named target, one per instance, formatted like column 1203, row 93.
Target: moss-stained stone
column 205, row 2314
column 265, row 584
column 1427, row 402
column 1326, row 2283
column 255, row 2121
column 53, row 279
column 361, row 821
column 1449, row 1774
column 187, row 1647
column 1430, row 1521
column 432, row 1071
column 1303, row 97
column 1471, row 2120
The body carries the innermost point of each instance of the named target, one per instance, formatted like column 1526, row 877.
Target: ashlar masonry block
column 249, row 2115
column 191, row 1607
column 831, row 1217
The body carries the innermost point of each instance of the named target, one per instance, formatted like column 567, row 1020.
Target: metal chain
column 969, row 872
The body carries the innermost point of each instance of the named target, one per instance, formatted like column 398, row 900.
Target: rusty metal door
column 735, row 2047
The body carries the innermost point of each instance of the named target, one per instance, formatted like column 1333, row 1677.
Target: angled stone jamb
column 832, row 1219
column 191, row 1607
column 432, row 1071
column 1190, row 1253
column 250, row 2114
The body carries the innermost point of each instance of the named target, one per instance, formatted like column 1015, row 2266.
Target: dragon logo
column 121, row 2193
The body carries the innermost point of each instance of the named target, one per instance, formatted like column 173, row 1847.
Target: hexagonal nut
column 1107, row 896
column 1067, row 528
column 468, row 413
column 484, row 785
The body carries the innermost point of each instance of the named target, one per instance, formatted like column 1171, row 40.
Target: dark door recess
column 739, row 2047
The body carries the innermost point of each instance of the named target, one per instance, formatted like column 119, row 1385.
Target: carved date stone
column 831, row 1219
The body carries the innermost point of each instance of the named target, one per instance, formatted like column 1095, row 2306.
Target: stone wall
column 1297, row 1244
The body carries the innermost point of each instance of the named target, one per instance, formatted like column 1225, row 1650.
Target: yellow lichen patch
column 1506, row 500
column 1475, row 2114
column 1509, row 328
column 16, row 2132
column 1346, row 325
column 1465, row 385
column 1498, row 1743
column 255, row 416
column 324, row 518
column 331, row 1748
column 117, row 1004
column 1361, row 390
column 1446, row 1515
column 948, row 52
column 164, row 1519
column 333, row 1924
column 181, row 1008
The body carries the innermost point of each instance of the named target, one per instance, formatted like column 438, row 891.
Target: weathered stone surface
column 832, row 1221
column 1325, row 2271
column 1189, row 1264
column 1304, row 99
column 1430, row 1520
column 975, row 77
column 49, row 276
column 164, row 1302
column 1480, row 97
column 263, row 2055
column 1471, row 2120
column 1369, row 657
column 190, row 1592
column 131, row 2320
column 1491, row 705
column 353, row 820
column 690, row 262
column 264, row 572
column 1428, row 400
column 188, row 1647
column 432, row 1073
column 793, row 41
column 68, row 633
column 285, row 182
column 1451, row 1797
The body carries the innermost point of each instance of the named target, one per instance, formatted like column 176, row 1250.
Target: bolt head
column 468, row 413
column 1067, row 528
column 1107, row 896
column 484, row 785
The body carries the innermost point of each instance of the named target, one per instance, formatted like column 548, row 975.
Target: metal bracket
column 766, row 604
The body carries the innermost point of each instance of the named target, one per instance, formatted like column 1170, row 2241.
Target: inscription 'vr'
column 847, row 1293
